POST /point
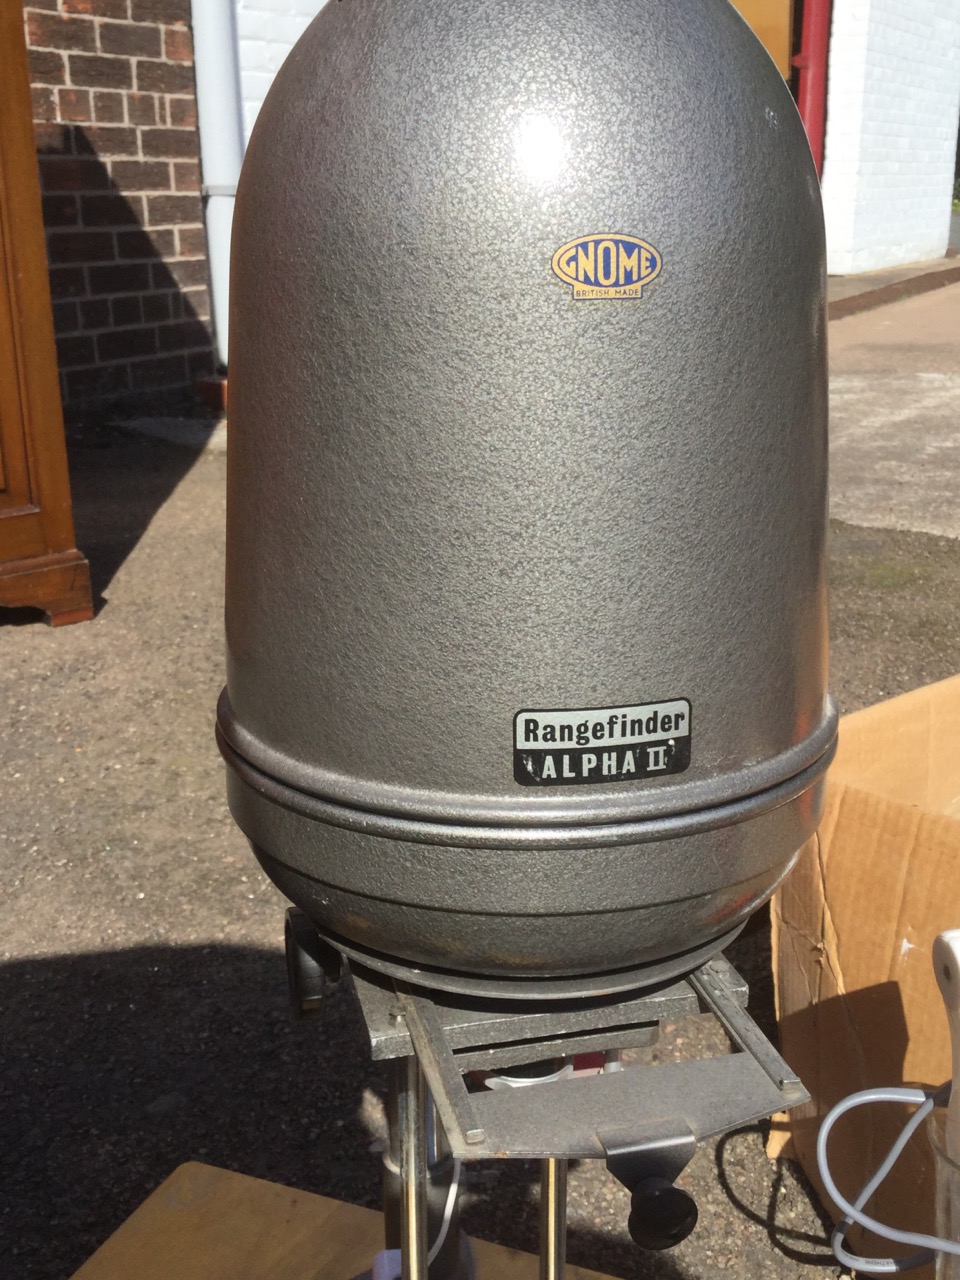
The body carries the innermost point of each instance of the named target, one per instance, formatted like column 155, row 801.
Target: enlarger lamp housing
column 526, row 613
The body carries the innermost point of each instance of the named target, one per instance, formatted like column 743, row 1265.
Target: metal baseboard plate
column 579, row 1118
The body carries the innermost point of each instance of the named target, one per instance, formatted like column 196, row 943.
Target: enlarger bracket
column 699, row 1098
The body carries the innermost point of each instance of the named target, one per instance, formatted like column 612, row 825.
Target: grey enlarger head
column 526, row 612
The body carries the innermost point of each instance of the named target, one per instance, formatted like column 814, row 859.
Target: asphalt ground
column 143, row 1006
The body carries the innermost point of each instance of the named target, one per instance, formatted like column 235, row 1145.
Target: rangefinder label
column 607, row 266
column 601, row 744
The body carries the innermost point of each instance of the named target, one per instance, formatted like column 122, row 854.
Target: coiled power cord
column 926, row 1246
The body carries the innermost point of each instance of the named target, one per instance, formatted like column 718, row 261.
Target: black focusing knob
column 661, row 1215
column 313, row 966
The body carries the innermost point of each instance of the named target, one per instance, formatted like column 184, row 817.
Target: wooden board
column 209, row 1224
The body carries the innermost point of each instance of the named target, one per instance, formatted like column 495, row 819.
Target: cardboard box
column 853, row 929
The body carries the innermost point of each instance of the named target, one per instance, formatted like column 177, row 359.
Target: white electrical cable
column 389, row 1257
column 447, row 1212
column 852, row 1213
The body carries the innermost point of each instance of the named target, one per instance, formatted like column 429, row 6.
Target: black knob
column 313, row 966
column 661, row 1214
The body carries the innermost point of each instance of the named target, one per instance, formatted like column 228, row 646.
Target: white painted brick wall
column 892, row 108
column 266, row 31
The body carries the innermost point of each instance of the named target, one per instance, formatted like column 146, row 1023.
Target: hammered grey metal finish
column 455, row 491
column 532, row 911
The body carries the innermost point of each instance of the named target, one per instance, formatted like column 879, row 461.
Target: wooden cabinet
column 39, row 564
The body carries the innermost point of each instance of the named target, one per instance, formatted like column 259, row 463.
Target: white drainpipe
column 220, row 114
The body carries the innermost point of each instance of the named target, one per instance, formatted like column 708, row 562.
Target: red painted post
column 811, row 63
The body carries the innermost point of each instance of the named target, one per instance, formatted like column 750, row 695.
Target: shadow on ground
column 122, row 1065
column 119, row 1066
column 125, row 1064
column 119, row 480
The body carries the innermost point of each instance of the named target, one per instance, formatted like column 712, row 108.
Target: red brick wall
column 115, row 115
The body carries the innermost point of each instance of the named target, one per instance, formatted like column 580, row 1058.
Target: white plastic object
column 946, row 966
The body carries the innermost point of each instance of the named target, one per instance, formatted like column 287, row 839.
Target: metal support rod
column 392, row 1209
column 553, row 1219
column 413, row 1171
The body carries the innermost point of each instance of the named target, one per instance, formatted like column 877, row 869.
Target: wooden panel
column 14, row 474
column 210, row 1224
column 39, row 564
column 772, row 22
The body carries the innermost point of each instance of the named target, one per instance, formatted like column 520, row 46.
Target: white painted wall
column 892, row 106
column 266, row 31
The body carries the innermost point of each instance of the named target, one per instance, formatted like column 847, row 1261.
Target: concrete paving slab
column 895, row 415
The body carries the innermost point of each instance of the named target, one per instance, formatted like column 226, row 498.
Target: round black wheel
column 661, row 1214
